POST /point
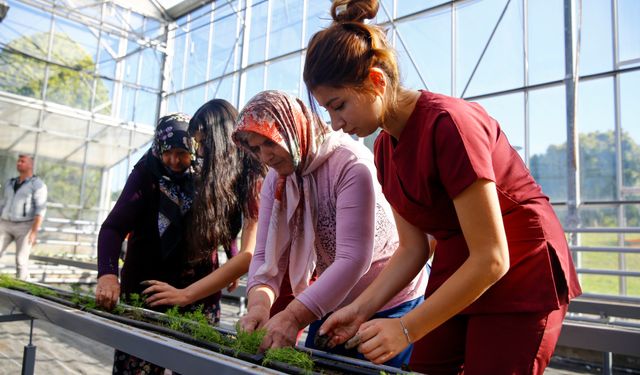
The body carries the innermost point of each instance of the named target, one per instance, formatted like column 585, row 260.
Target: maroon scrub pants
column 502, row 343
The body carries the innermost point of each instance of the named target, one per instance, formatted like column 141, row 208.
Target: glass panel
column 200, row 17
column 73, row 43
column 254, row 83
column 223, row 48
column 173, row 103
column 127, row 101
column 193, row 99
column 504, row 55
column 595, row 124
column 104, row 96
column 545, row 41
column 508, row 110
column 408, row 7
column 21, row 75
column 227, row 89
column 629, row 29
column 177, row 62
column 596, row 51
column 63, row 180
column 151, row 73
column 548, row 141
column 131, row 62
column 146, row 108
column 430, row 48
column 69, row 87
column 258, row 32
column 285, row 75
column 26, row 29
column 317, row 18
column 197, row 55
column 286, row 27
column 108, row 53
column 630, row 125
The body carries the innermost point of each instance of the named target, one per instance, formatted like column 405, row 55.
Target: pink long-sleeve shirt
column 355, row 233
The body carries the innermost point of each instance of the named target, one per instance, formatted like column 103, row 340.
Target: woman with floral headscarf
column 321, row 212
column 151, row 208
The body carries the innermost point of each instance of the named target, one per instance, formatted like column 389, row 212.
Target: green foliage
column 290, row 356
column 248, row 342
column 597, row 177
column 194, row 323
column 81, row 299
column 9, row 282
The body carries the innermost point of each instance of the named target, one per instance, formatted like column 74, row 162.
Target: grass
column 605, row 284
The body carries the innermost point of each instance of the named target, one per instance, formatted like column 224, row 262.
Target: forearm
column 261, row 296
column 403, row 266
column 233, row 269
column 302, row 315
column 37, row 222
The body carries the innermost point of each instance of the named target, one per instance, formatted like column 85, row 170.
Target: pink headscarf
column 286, row 121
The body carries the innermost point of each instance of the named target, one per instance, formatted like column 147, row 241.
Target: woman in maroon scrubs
column 502, row 273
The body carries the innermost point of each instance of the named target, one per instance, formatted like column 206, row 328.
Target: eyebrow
column 330, row 101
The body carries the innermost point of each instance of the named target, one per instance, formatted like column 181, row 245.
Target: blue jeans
column 395, row 312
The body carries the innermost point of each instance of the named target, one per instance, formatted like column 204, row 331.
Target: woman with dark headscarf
column 152, row 209
column 322, row 213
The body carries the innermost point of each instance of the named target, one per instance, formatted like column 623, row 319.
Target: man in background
column 22, row 208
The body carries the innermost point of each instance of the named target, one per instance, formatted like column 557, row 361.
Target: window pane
column 430, row 48
column 595, row 124
column 146, row 107
column 629, row 29
column 545, row 41
column 630, row 124
column 72, row 43
column 197, row 55
column 596, row 51
column 258, row 32
column 548, row 141
column 177, row 62
column 253, row 83
column 317, row 18
column 508, row 110
column 27, row 30
column 151, row 73
column 69, row 87
column 193, row 99
column 226, row 89
column 501, row 66
column 408, row 7
column 286, row 27
column 285, row 75
column 223, row 50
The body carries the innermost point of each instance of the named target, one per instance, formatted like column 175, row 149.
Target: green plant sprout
column 248, row 342
column 290, row 356
column 12, row 283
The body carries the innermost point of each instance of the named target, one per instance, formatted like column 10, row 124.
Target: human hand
column 282, row 330
column 32, row 237
column 381, row 339
column 160, row 293
column 256, row 317
column 233, row 285
column 107, row 291
column 341, row 325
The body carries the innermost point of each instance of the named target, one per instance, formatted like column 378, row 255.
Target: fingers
column 353, row 342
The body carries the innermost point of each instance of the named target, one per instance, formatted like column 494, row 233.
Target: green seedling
column 290, row 356
column 248, row 342
column 12, row 283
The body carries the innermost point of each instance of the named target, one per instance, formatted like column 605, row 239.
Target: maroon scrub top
column 446, row 145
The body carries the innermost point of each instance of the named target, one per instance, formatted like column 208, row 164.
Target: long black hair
column 227, row 184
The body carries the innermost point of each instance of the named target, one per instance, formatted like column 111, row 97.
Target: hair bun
column 354, row 10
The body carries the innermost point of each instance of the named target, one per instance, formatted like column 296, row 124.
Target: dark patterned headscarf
column 176, row 189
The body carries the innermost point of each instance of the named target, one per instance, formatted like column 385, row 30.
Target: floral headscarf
column 176, row 189
column 286, row 121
